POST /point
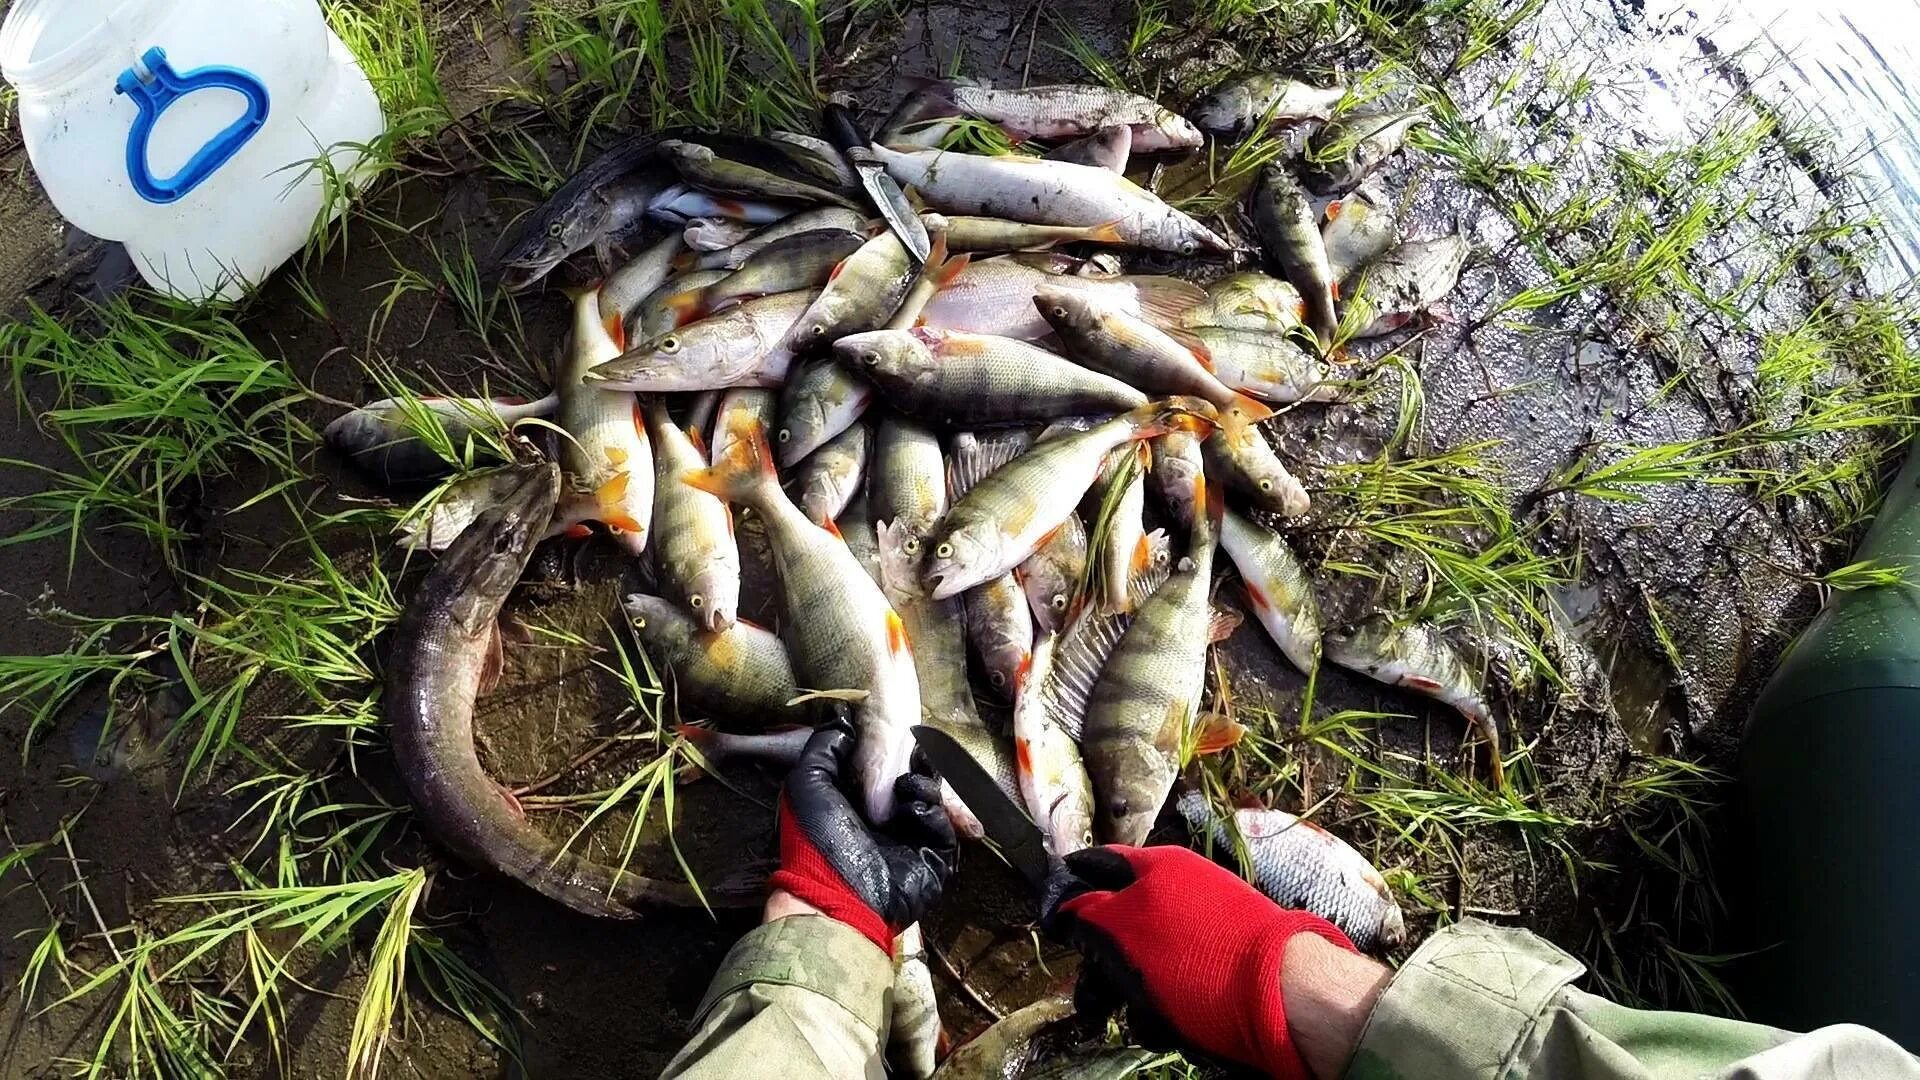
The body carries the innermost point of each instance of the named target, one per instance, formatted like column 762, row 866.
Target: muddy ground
column 613, row 1000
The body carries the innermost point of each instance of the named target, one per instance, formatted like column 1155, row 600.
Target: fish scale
column 741, row 673
column 1090, row 639
column 696, row 553
column 607, row 457
column 965, row 379
column 741, row 346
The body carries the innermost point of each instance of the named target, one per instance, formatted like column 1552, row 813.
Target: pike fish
column 995, row 296
column 1053, row 778
column 828, row 478
column 1048, row 193
column 701, row 165
column 841, row 632
column 1004, row 519
column 817, row 404
column 607, row 457
column 596, row 206
column 1263, row 100
column 1290, row 231
column 695, row 552
column 1267, row 366
column 1069, row 112
column 741, row 673
column 1001, row 629
column 967, row 380
column 446, row 646
column 1349, row 148
column 1300, row 865
column 382, row 440
column 1277, row 588
column 1419, row 657
column 1406, row 281
column 735, row 256
column 800, row 261
column 744, row 345
column 1357, row 231
column 1147, row 699
column 1110, row 148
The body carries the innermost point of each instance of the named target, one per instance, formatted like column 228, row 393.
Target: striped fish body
column 698, row 560
column 1129, row 348
column 608, row 460
column 995, row 296
column 1001, row 629
column 820, row 402
column 1267, row 366
column 741, row 674
column 1290, row 231
column 967, row 379
column 1053, row 778
column 909, row 483
column 1090, row 638
column 861, row 294
column 741, row 346
column 1249, row 301
column 736, row 256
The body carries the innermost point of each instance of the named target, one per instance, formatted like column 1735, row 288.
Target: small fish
column 652, row 317
column 1053, row 778
column 381, row 437
column 1298, row 864
column 607, row 198
column 800, row 261
column 682, row 204
column 1003, row 520
column 1239, row 455
column 862, row 293
column 1069, row 112
column 1120, row 540
column 1346, row 150
column 624, row 291
column 1262, row 99
column 1089, row 639
column 1048, row 193
column 741, row 673
column 1267, row 366
column 974, row 379
column 1290, row 231
column 841, row 632
column 1053, row 572
column 822, row 400
column 744, row 345
column 1358, row 230
column 828, row 478
column 698, row 560
column 1177, row 462
column 1137, row 352
column 1249, row 301
column 1147, row 700
column 967, row 233
column 705, row 235
column 913, row 1033
column 1109, row 148
column 1277, row 588
column 735, row 256
column 814, row 157
column 701, row 165
column 995, row 296
column 1001, row 629
column 607, row 456
column 909, row 483
column 1405, row 282
column 1417, row 656
column 778, row 750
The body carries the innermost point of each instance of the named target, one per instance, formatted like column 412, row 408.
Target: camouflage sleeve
column 1478, row 1000
column 806, row 992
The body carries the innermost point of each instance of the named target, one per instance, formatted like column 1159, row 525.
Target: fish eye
column 912, row 547
column 640, row 622
column 944, row 551
column 784, row 435
column 871, row 359
column 1059, row 602
column 556, row 229
column 669, row 344
column 696, row 601
column 1188, row 247
column 997, row 679
column 817, row 330
column 1059, row 312
column 1266, row 485
column 502, row 542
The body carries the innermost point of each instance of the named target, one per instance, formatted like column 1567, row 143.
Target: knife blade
column 844, row 132
column 1007, row 825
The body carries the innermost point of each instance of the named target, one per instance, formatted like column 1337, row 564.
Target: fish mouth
column 522, row 274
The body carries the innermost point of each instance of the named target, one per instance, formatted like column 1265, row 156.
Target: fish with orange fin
column 607, row 457
column 696, row 555
column 741, row 674
column 799, row 261
column 1276, row 587
column 1106, row 338
column 1143, row 710
column 1290, row 231
column 1053, row 778
column 841, row 632
column 1417, row 656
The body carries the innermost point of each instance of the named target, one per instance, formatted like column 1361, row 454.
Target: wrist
column 1328, row 993
column 781, row 904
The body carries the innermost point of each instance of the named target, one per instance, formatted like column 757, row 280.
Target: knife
column 1011, row 830
column 885, row 194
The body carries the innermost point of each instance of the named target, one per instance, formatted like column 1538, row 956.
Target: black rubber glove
column 878, row 881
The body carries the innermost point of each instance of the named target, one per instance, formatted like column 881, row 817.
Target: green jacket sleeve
column 805, row 997
column 1482, row 1001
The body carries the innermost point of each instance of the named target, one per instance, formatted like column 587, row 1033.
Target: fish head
column 713, row 597
column 1228, row 110
column 482, row 566
column 1367, row 645
column 1069, row 309
column 550, row 238
column 902, row 548
column 901, row 354
column 670, row 359
column 657, row 621
column 1170, row 131
column 812, row 409
column 962, row 555
column 363, row 429
column 1050, row 595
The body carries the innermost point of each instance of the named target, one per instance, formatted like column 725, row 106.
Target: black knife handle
column 842, row 130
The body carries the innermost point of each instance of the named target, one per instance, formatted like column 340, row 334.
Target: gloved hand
column 1191, row 950
column 877, row 881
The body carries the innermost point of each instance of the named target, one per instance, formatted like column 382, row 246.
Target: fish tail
column 1189, row 414
column 746, row 471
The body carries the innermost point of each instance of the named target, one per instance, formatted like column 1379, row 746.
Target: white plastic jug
column 185, row 128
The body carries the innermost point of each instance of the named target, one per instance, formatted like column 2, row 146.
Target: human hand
column 1198, row 957
column 878, row 881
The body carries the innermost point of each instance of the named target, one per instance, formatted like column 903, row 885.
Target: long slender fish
column 1110, row 148
column 698, row 560
column 1048, row 193
column 1405, row 282
column 1300, row 865
column 744, row 345
column 702, row 166
column 1348, row 148
column 800, row 261
column 1135, row 351
column 841, row 632
column 1264, row 100
column 966, row 380
column 1277, row 588
column 828, row 479
column 443, row 647
column 381, row 438
column 741, row 673
column 820, row 401
column 1417, row 656
column 1053, row 778
column 611, row 195
column 995, row 296
column 1004, row 519
column 1267, row 366
column 1068, row 112
column 1147, row 699
column 968, row 233
column 607, row 457
column 1358, row 230
column 1290, row 231
column 736, row 255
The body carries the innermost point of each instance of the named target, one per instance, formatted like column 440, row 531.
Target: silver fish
column 1053, row 779
column 701, row 165
column 652, row 317
column 1349, row 148
column 1417, row 656
column 800, row 261
column 964, row 379
column 1404, row 282
column 607, row 456
column 1135, row 351
column 439, row 519
column 1290, row 231
column 1267, row 366
column 828, row 478
column 383, row 438
column 741, row 409
column 995, row 296
column 1239, row 455
column 1068, row 112
column 1300, row 865
column 744, row 345
column 967, row 233
column 1262, row 99
column 909, row 484
column 862, row 294
column 1277, row 588
column 735, row 256
column 706, row 235
column 622, row 293
column 698, row 560
column 1249, row 301
column 605, row 199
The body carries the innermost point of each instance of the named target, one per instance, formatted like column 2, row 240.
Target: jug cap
column 46, row 42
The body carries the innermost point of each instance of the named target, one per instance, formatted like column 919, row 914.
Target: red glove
column 1190, row 948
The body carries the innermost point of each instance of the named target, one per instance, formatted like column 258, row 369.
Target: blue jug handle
column 160, row 87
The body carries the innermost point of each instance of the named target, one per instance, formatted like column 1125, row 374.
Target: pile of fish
column 957, row 459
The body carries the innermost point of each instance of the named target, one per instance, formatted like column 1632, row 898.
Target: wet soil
column 600, row 999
